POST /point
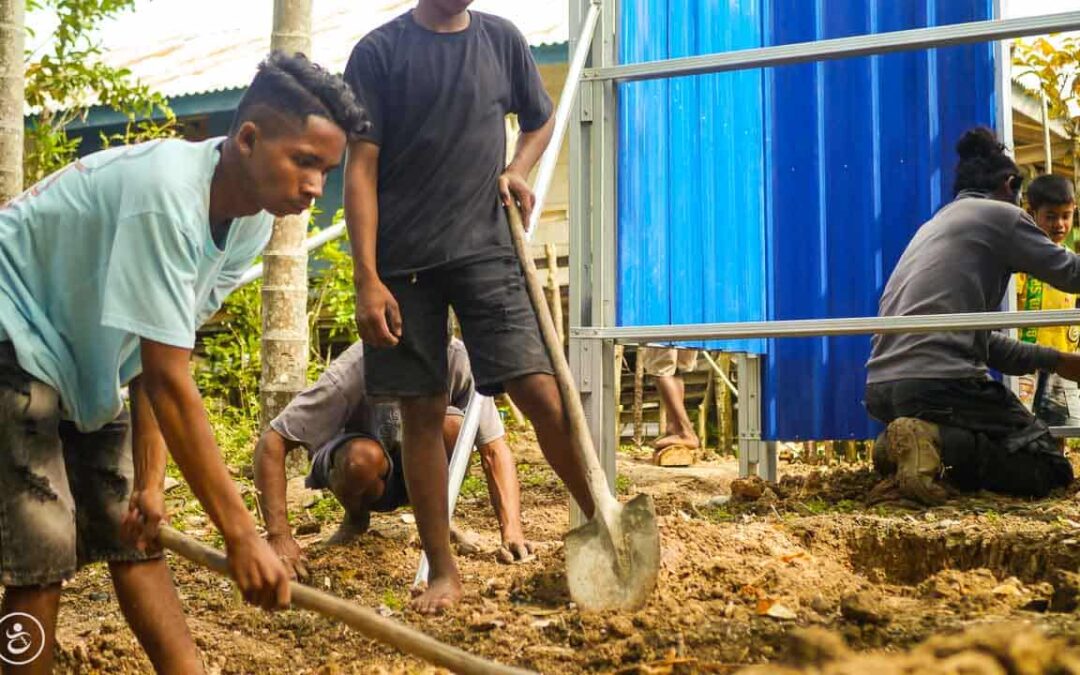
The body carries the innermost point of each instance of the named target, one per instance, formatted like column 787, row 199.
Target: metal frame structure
column 592, row 215
column 593, row 181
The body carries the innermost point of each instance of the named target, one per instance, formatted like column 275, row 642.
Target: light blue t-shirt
column 113, row 248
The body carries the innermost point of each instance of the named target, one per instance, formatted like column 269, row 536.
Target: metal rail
column 841, row 48
column 923, row 323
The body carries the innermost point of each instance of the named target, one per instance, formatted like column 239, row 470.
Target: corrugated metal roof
column 180, row 47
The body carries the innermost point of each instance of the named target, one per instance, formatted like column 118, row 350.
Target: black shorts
column 498, row 326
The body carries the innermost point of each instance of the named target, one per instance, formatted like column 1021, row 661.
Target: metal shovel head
column 615, row 573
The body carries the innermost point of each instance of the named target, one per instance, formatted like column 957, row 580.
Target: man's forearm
column 1013, row 357
column 362, row 208
column 270, row 482
column 149, row 453
column 184, row 424
column 502, row 481
column 530, row 147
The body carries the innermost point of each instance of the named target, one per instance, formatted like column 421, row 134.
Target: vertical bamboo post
column 724, row 407
column 619, row 349
column 703, row 415
column 639, row 395
column 555, row 292
column 851, row 452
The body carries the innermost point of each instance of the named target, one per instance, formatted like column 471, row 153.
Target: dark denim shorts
column 498, row 326
column 63, row 493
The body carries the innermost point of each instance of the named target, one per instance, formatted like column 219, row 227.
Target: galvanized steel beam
column 930, row 323
column 841, row 48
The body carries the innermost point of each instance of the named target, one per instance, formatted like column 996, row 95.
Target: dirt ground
column 801, row 577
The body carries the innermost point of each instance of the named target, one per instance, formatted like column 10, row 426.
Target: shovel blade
column 604, row 574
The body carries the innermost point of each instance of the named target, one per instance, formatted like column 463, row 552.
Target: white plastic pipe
column 550, row 158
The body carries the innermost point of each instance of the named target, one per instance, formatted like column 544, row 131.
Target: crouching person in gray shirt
column 354, row 445
column 948, row 420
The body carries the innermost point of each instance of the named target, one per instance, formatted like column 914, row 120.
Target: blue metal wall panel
column 644, row 291
column 881, row 165
column 789, row 194
column 690, row 202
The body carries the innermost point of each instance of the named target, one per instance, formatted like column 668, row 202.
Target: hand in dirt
column 257, row 571
column 465, row 541
column 288, row 551
column 140, row 525
column 514, row 188
column 519, row 551
column 378, row 317
column 1068, row 366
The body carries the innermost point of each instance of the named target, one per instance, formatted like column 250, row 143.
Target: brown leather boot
column 915, row 446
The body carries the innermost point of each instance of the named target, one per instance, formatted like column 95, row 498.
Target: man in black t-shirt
column 424, row 198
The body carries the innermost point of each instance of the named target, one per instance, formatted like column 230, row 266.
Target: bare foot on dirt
column 350, row 529
column 690, row 441
column 441, row 593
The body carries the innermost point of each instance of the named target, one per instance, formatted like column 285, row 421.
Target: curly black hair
column 983, row 164
column 297, row 87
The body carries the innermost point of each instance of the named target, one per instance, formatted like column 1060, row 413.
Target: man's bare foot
column 465, row 541
column 515, row 550
column 441, row 593
column 690, row 441
column 350, row 529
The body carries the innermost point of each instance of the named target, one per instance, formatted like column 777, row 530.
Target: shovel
column 365, row 621
column 612, row 560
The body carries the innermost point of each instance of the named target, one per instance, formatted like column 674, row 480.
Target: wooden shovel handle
column 364, row 620
column 598, row 486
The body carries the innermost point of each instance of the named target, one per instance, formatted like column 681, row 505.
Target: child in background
column 1056, row 401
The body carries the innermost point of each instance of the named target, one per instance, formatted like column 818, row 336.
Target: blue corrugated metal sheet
column 691, row 222
column 861, row 154
column 800, row 189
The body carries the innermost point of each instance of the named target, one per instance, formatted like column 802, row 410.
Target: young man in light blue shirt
column 106, row 270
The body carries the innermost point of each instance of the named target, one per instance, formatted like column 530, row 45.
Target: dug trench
column 794, row 575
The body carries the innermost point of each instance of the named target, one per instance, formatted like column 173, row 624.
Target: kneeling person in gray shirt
column 354, row 445
column 947, row 419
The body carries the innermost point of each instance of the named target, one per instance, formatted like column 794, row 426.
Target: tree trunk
column 284, row 291
column 12, row 67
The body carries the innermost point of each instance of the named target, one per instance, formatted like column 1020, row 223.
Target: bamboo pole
column 724, row 411
column 619, row 350
column 703, row 414
column 555, row 293
column 851, row 452
column 639, row 396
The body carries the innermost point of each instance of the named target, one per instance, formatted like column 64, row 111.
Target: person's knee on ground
column 358, row 478
column 538, row 397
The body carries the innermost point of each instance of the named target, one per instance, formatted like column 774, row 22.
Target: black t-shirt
column 438, row 103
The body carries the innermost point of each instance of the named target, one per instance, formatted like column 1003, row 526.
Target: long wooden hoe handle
column 365, row 621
